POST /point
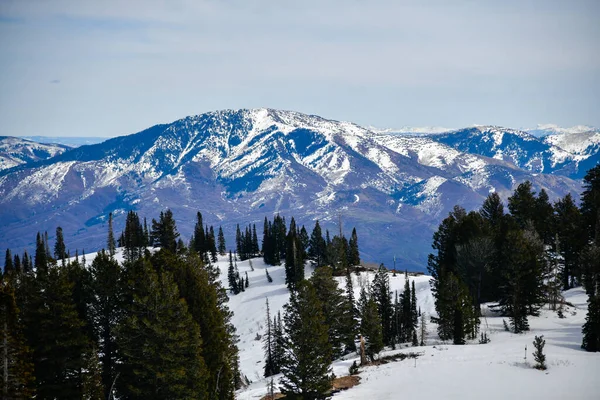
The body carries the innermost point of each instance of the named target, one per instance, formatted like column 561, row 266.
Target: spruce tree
column 538, row 355
column 381, row 294
column 317, row 246
column 106, row 310
column 16, row 367
column 231, row 276
column 591, row 327
column 354, row 255
column 160, row 342
column 590, row 204
column 572, row 237
column 371, row 328
column 60, row 251
column 221, row 242
column 164, row 231
column 306, row 362
column 58, row 368
column 8, row 263
column 269, row 344
column 336, row 309
column 110, row 241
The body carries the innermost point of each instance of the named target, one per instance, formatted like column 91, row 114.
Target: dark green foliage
column 271, row 367
column 538, row 354
column 590, row 204
column 16, row 367
column 41, row 256
column 306, row 362
column 198, row 242
column 232, row 277
column 522, row 292
column 591, row 267
column 164, row 231
column 370, row 327
column 337, row 310
column 353, row 253
column 8, row 263
column 522, row 204
column 572, row 238
column 317, row 246
column 159, row 342
column 294, row 258
column 380, row 293
column 268, row 276
column 111, row 244
column 221, row 242
column 274, row 240
column 105, row 312
column 353, row 370
column 58, row 367
column 60, row 250
column 133, row 239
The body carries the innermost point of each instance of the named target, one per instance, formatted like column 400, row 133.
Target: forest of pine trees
column 154, row 326
column 519, row 260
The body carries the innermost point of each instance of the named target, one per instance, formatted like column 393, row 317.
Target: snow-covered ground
column 497, row 370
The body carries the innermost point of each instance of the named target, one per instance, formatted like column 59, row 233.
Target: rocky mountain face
column 240, row 166
column 17, row 151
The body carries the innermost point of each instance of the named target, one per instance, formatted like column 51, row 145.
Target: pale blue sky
column 107, row 68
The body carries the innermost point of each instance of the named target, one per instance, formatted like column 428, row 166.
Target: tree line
column 154, row 326
column 519, row 260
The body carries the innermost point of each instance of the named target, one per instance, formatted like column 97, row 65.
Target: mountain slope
column 16, row 151
column 238, row 166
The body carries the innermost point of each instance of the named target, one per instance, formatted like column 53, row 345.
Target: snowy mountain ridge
column 16, row 151
column 238, row 166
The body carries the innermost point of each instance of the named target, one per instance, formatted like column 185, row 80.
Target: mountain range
column 238, row 166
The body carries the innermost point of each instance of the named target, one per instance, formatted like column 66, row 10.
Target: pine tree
column 58, row 368
column 8, row 263
column 160, row 342
column 591, row 327
column 423, row 330
column 221, row 242
column 16, row 365
column 106, row 310
column 41, row 257
column 269, row 344
column 538, row 355
column 231, row 276
column 306, row 363
column 590, row 204
column 381, row 294
column 269, row 279
column 110, row 241
column 60, row 251
column 572, row 238
column 317, row 246
column 336, row 309
column 164, row 231
column 413, row 306
column 371, row 328
column 354, row 255
column 133, row 240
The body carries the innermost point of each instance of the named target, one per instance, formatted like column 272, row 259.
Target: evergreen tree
column 294, row 261
column 268, row 345
column 60, row 251
column 354, row 255
column 16, row 366
column 317, row 246
column 423, row 330
column 221, row 242
column 41, row 257
column 160, row 342
column 413, row 306
column 164, row 231
column 572, row 238
column 232, row 279
column 59, row 367
column 8, row 263
column 133, row 240
column 538, row 355
column 590, row 203
column 591, row 327
column 522, row 204
column 17, row 264
column 106, row 309
column 371, row 328
column 110, row 241
column 212, row 246
column 255, row 248
column 336, row 309
column 306, row 362
column 199, row 244
column 381, row 294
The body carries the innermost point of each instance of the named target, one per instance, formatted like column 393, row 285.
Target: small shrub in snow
column 506, row 327
column 353, row 370
column 538, row 354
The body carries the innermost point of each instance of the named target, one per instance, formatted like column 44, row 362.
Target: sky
column 109, row 68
